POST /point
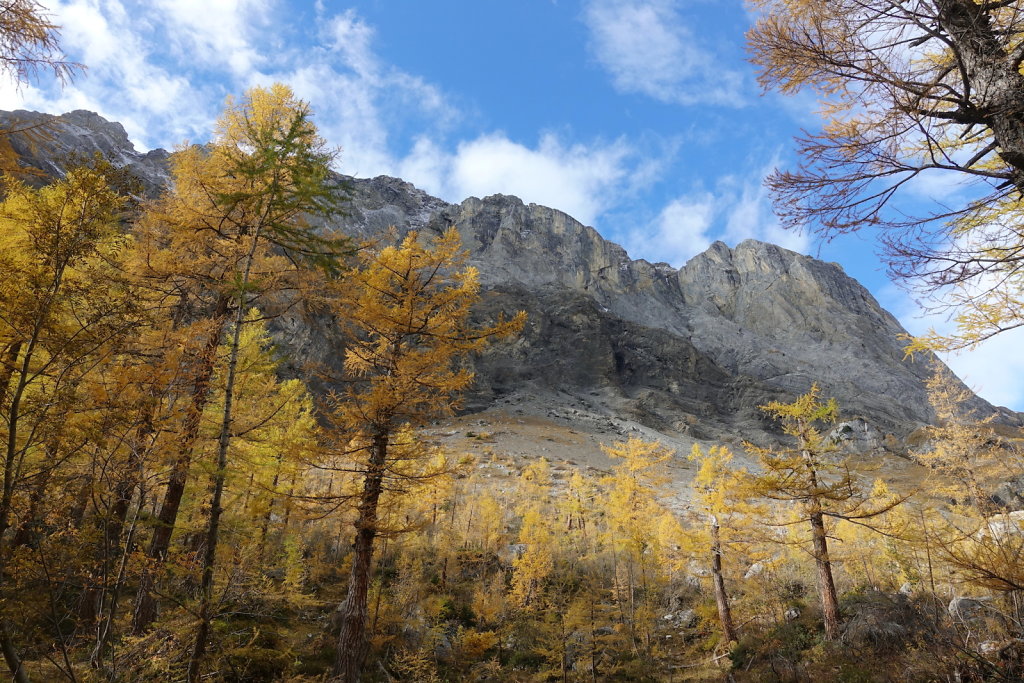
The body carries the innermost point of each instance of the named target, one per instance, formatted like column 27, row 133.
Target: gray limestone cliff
column 702, row 345
column 49, row 143
column 692, row 351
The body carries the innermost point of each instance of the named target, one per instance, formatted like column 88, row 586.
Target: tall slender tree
column 407, row 313
column 236, row 228
column 820, row 481
column 632, row 514
column 64, row 305
column 714, row 481
column 243, row 205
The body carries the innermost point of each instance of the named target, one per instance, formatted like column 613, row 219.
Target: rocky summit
column 687, row 353
column 692, row 351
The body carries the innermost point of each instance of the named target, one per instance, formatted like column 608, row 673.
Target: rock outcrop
column 49, row 143
column 699, row 346
column 692, row 351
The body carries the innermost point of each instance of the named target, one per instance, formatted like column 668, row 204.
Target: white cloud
column 579, row 180
column 582, row 180
column 680, row 232
column 85, row 26
column 738, row 208
column 353, row 38
column 215, row 33
column 647, row 48
column 994, row 369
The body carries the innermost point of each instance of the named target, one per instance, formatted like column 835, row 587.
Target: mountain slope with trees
column 226, row 454
column 704, row 345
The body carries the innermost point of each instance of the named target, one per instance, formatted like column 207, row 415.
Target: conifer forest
column 188, row 496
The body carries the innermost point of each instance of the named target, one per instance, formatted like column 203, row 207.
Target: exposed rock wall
column 694, row 350
column 49, row 143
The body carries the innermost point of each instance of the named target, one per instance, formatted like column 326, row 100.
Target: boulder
column 856, row 436
column 1002, row 526
column 753, row 570
column 1010, row 494
column 965, row 610
column 686, row 619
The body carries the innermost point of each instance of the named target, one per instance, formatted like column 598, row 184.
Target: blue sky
column 642, row 119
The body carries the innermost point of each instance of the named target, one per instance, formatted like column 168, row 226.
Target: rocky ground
column 570, row 432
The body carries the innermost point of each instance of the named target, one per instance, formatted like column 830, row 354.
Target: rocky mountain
column 695, row 349
column 687, row 353
column 49, row 143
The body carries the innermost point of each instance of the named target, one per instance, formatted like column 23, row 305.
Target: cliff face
column 49, row 143
column 692, row 351
column 702, row 345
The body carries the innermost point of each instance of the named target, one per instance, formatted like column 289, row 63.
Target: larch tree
column 234, row 229
column 186, row 258
column 963, row 450
column 632, row 515
column 273, row 437
column 820, row 483
column 406, row 310
column 577, row 509
column 975, row 534
column 266, row 172
column 535, row 562
column 64, row 306
column 918, row 90
column 711, row 487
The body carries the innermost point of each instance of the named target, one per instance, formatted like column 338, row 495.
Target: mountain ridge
column 689, row 351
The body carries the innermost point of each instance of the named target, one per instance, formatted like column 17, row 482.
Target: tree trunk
column 721, row 598
column 105, row 625
column 145, row 603
column 11, row 453
column 826, row 585
column 219, row 475
column 261, row 547
column 85, row 490
column 10, row 357
column 352, row 612
column 14, row 664
column 26, row 530
column 997, row 86
column 124, row 490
